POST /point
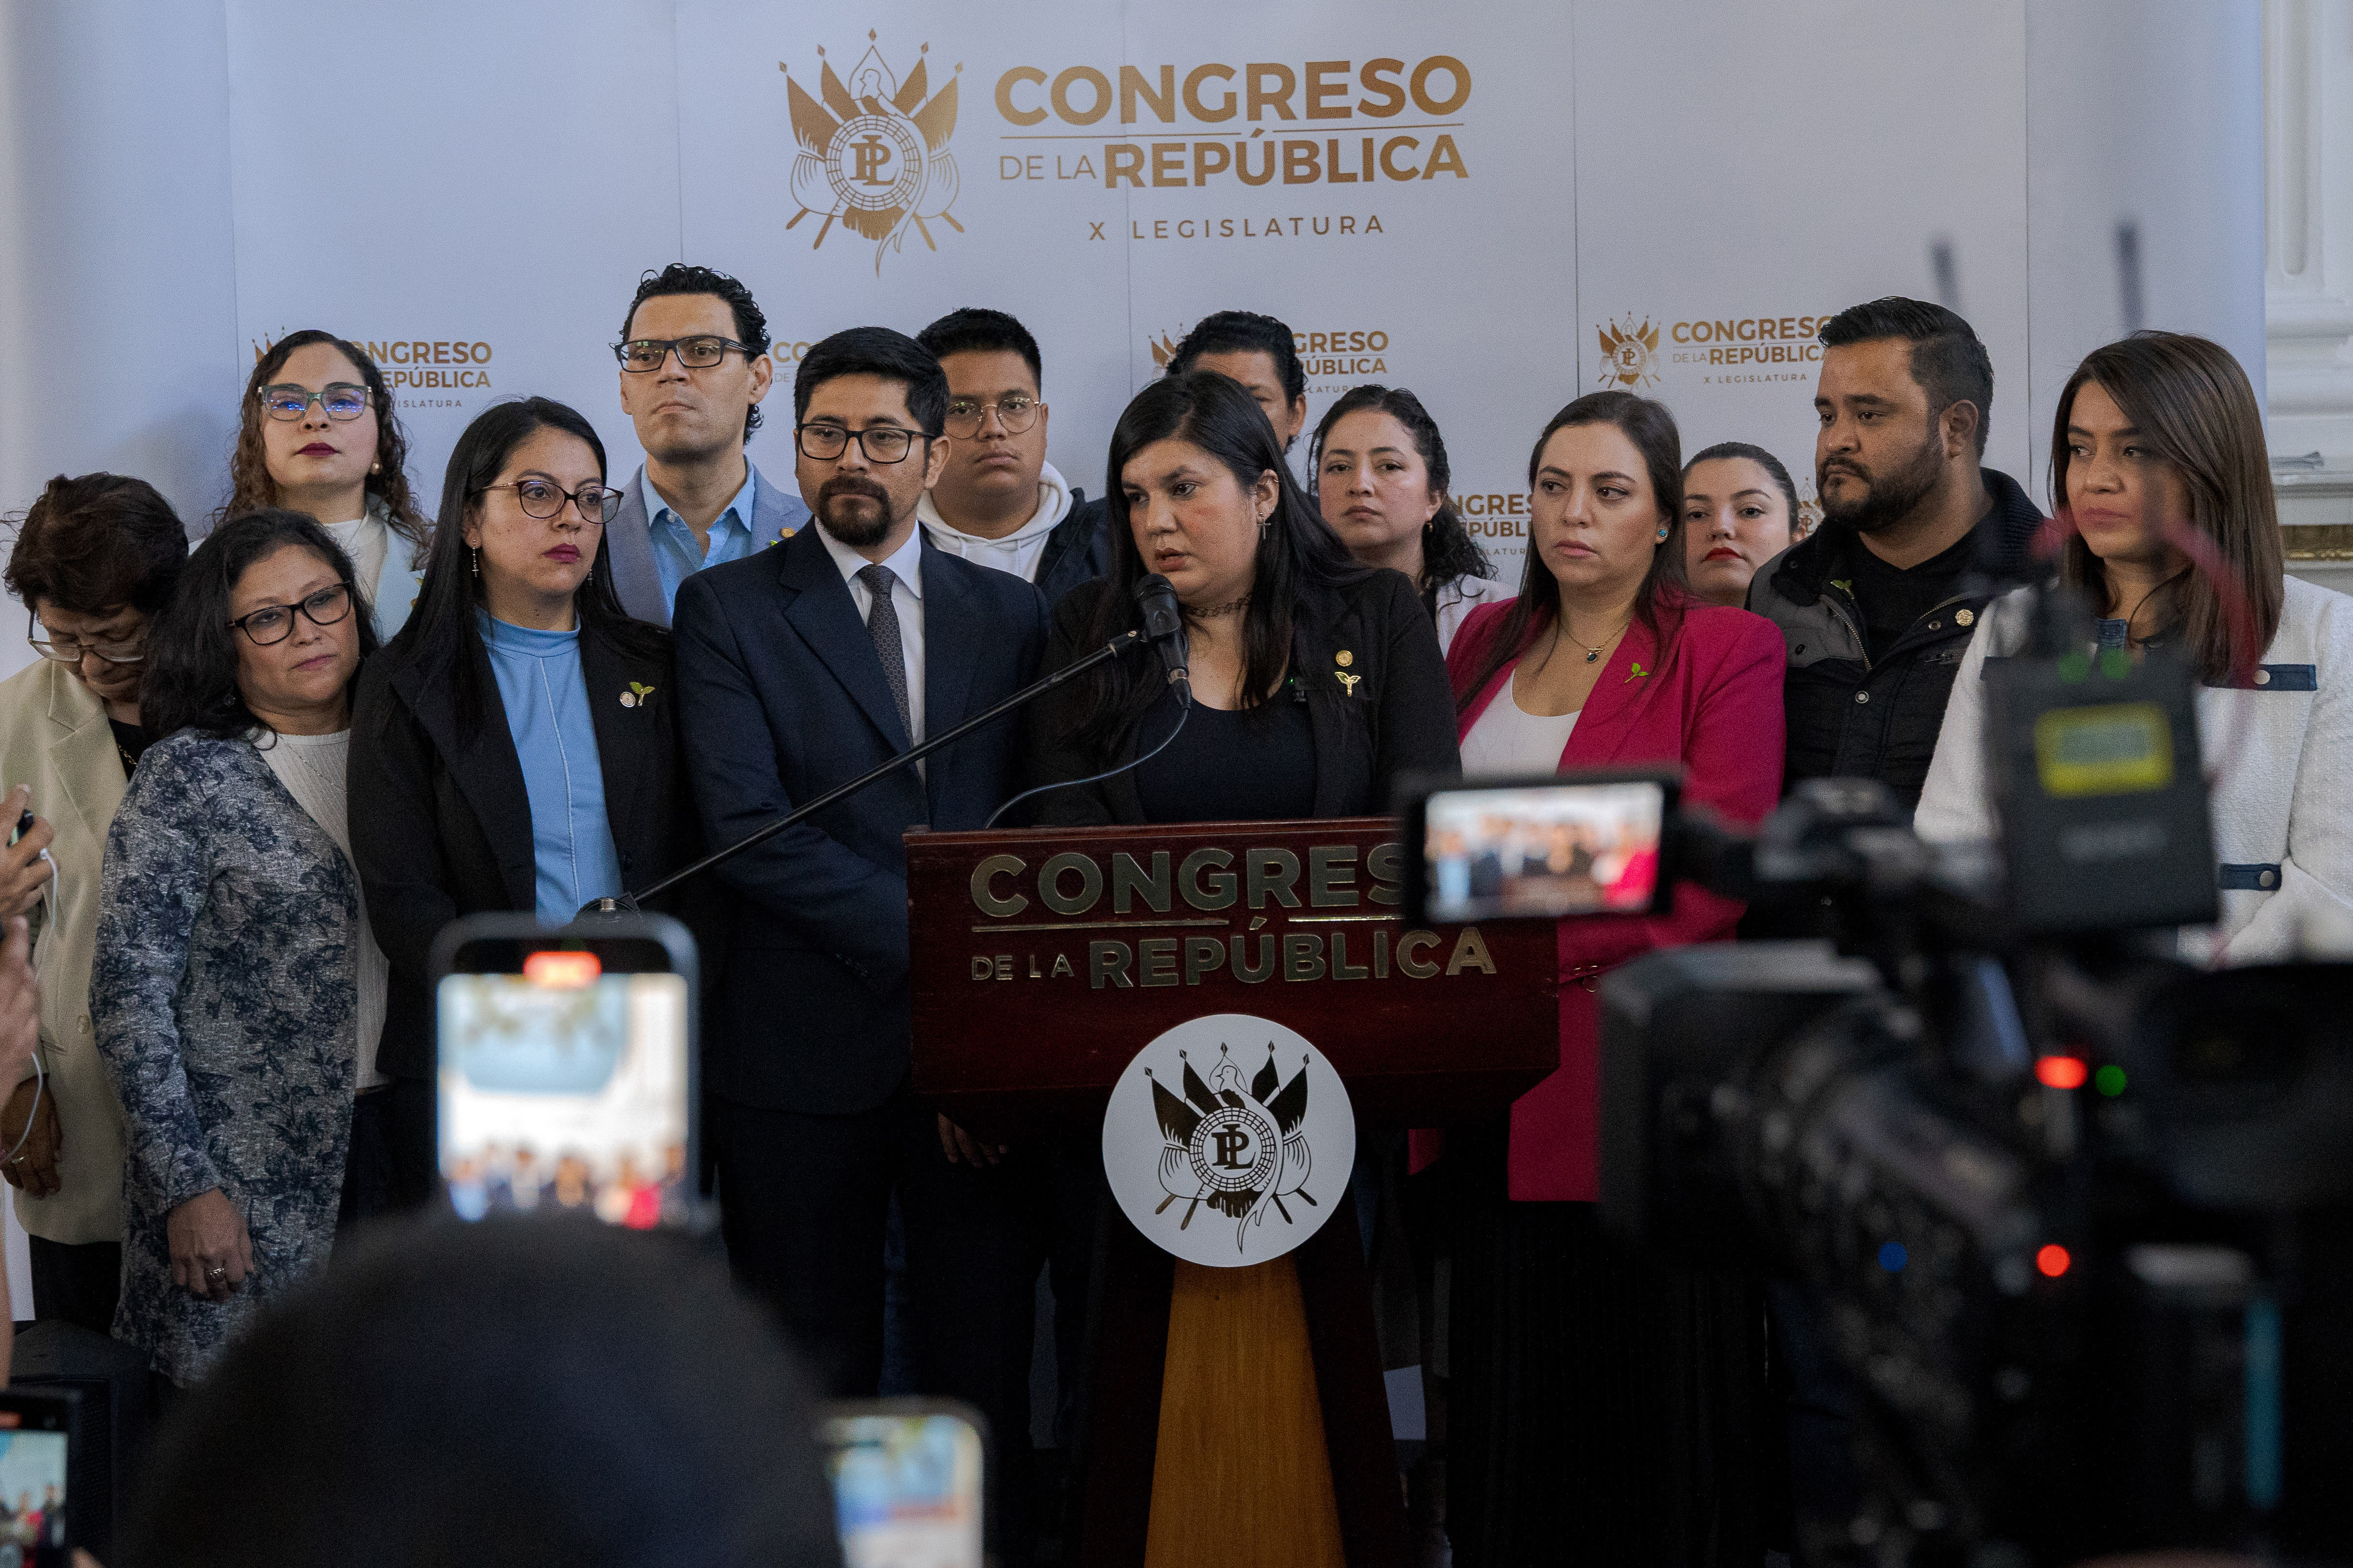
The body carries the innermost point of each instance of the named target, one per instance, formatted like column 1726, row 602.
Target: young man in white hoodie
column 999, row 503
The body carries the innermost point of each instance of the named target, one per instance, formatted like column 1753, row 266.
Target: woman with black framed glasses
column 236, row 996
column 517, row 746
column 317, row 434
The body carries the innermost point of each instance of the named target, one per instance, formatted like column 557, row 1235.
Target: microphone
column 1164, row 627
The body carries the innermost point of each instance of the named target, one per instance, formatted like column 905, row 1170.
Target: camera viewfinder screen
column 563, row 1088
column 1545, row 850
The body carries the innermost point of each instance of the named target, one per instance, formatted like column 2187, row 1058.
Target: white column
column 2308, row 277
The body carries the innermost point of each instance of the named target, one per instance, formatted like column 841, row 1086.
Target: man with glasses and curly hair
column 694, row 368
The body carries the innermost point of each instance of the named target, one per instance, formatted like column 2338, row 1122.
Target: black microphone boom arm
column 629, row 902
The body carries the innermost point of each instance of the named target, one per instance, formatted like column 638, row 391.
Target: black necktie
column 882, row 625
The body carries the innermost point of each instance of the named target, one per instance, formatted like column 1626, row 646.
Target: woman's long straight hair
column 1297, row 551
column 441, row 634
column 1665, row 592
column 2189, row 400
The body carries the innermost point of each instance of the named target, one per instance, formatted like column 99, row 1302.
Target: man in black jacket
column 997, row 501
column 1878, row 605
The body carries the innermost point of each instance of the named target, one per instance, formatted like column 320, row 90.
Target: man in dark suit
column 801, row 668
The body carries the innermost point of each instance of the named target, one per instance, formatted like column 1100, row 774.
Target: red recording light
column 2053, row 1260
column 2062, row 1072
column 561, row 970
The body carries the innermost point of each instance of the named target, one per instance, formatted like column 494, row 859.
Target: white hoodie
column 1019, row 551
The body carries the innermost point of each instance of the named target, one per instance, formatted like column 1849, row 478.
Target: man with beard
column 694, row 368
column 1879, row 603
column 801, row 669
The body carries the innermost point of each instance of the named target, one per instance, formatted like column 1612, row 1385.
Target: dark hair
column 1243, row 332
column 96, row 542
column 1446, row 550
column 1666, row 591
column 1948, row 363
column 878, row 351
column 1763, row 460
column 192, row 650
column 975, row 330
column 2190, row 402
column 678, row 277
column 251, row 488
column 526, row 1391
column 441, row 634
column 1298, row 554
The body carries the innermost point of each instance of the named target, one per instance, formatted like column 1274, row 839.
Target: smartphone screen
column 906, row 1486
column 1544, row 849
column 33, row 1517
column 565, row 1087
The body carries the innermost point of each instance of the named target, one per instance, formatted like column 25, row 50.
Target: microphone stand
column 627, row 903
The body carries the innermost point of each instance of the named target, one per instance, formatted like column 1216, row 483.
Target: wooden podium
column 1235, row 1414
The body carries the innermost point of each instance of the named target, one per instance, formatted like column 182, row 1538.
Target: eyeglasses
column 71, row 650
column 645, row 356
column 880, row 443
column 1016, row 412
column 543, row 499
column 290, row 401
column 275, row 623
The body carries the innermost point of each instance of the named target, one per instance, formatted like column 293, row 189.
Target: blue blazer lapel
column 953, row 629
column 776, row 515
column 629, row 546
column 827, row 619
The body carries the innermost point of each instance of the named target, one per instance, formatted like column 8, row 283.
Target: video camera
column 2074, row 1213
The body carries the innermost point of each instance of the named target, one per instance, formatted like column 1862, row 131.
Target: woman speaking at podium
column 1599, row 1404
column 1315, row 681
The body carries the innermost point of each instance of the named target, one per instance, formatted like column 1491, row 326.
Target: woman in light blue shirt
column 516, row 748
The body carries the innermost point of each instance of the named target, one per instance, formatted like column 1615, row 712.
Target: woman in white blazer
column 95, row 558
column 2158, row 439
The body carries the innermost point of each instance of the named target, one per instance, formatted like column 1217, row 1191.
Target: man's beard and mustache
column 846, row 522
column 1887, row 498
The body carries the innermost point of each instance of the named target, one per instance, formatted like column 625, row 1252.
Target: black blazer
column 784, row 699
column 442, row 829
column 1395, row 716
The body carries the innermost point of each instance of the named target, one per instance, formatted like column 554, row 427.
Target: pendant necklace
column 1592, row 655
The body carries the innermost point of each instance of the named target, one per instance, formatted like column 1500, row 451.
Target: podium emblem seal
column 1228, row 1140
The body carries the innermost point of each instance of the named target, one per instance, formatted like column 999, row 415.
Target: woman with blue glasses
column 317, row 434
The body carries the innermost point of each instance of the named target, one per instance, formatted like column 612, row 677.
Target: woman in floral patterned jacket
column 236, row 996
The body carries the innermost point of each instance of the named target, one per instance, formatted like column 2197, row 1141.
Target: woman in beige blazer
column 94, row 559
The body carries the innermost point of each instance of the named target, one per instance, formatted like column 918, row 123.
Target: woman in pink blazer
column 1602, row 1404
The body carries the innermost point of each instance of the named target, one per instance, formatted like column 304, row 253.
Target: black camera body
column 2068, row 1311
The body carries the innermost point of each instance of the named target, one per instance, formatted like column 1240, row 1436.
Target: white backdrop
column 181, row 179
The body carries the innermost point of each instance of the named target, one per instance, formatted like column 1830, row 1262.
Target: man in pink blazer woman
column 1603, row 1404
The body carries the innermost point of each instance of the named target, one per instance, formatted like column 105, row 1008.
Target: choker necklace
column 1211, row 612
column 1593, row 654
